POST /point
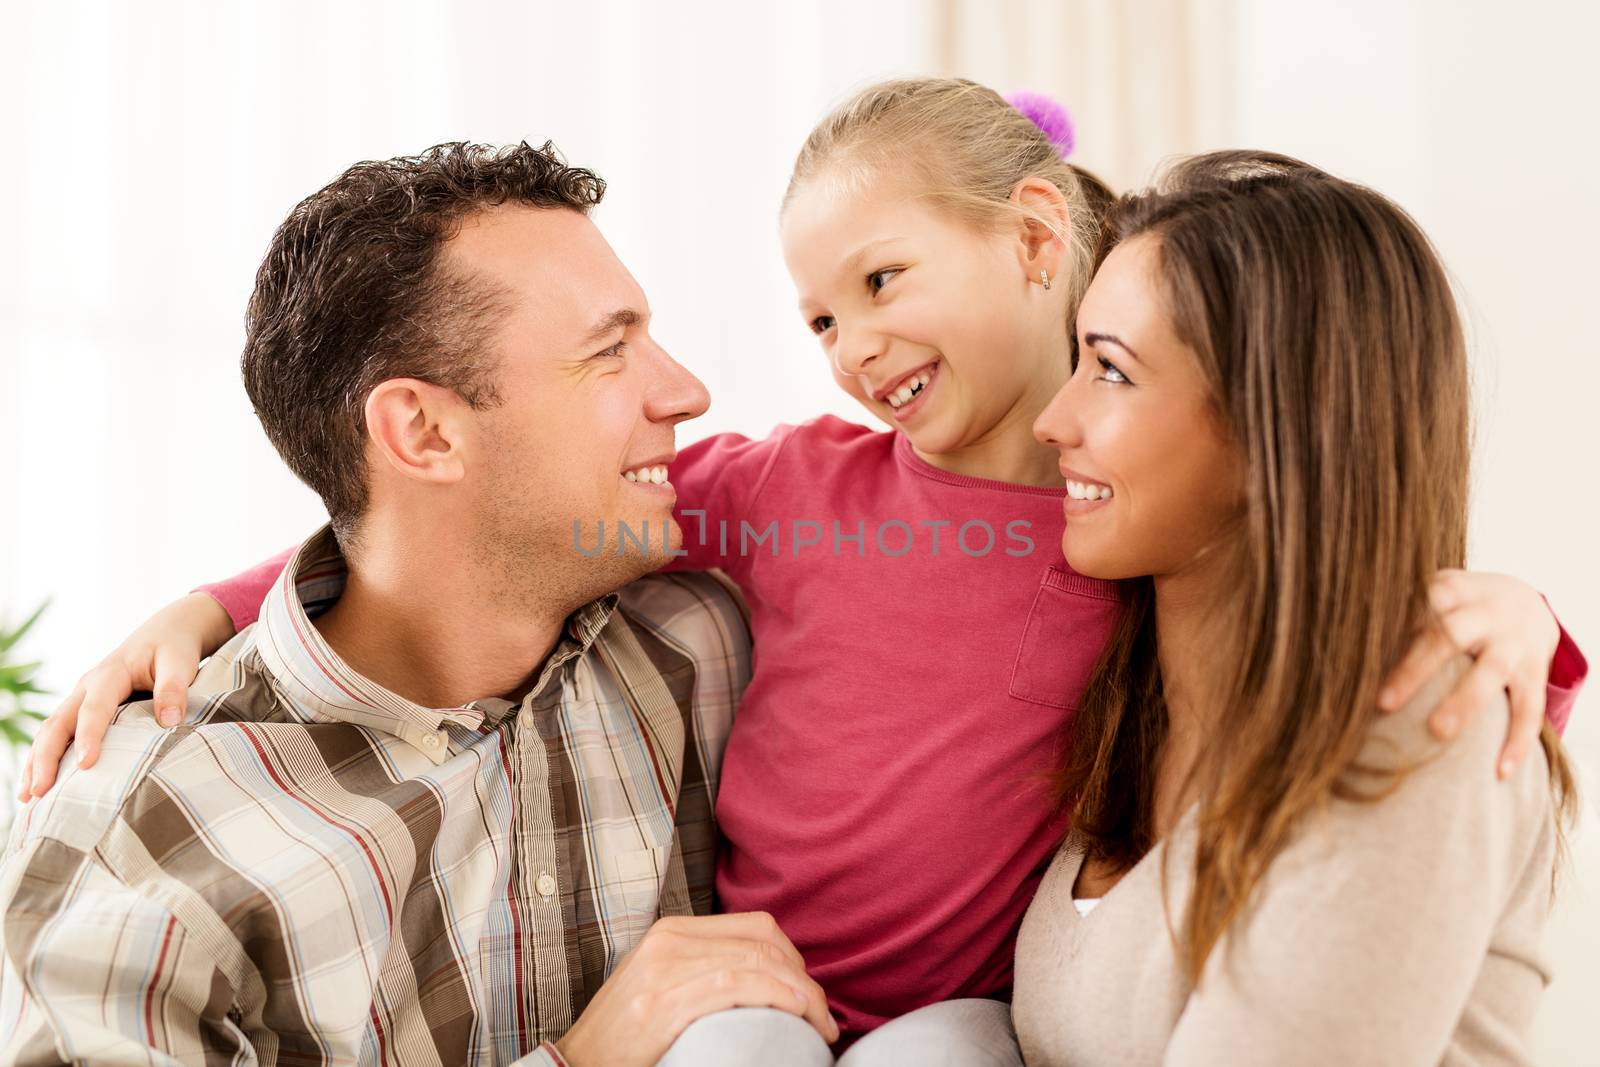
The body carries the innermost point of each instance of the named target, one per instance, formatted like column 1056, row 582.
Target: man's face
column 587, row 398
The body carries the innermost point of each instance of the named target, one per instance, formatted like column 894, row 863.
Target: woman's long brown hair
column 1325, row 325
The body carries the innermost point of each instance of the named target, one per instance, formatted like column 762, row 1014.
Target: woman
column 1266, row 438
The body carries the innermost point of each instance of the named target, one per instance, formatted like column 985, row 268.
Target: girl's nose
column 856, row 350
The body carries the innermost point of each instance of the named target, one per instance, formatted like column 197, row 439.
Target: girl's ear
column 1046, row 226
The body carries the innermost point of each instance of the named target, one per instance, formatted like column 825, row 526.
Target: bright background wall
column 153, row 148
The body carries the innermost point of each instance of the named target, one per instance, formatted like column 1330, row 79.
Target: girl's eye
column 879, row 278
column 821, row 324
column 1112, row 374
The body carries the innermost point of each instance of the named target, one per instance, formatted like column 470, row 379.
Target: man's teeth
column 1088, row 491
column 914, row 385
column 653, row 475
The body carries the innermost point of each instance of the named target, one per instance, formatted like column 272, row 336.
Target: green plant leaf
column 17, row 678
column 16, row 734
column 14, row 690
column 17, row 683
column 8, row 639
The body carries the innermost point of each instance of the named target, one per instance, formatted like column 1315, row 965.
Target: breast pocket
column 636, row 876
column 1068, row 625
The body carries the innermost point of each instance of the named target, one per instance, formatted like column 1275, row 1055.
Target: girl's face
column 933, row 326
column 1154, row 479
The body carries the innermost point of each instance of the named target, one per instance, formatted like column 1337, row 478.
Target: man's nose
column 676, row 395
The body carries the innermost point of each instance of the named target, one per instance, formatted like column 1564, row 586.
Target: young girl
column 921, row 640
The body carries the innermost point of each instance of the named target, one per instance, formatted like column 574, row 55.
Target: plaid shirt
column 312, row 869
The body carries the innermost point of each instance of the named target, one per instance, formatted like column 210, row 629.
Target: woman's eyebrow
column 1110, row 339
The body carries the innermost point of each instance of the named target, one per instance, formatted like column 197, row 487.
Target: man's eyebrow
column 1110, row 339
column 620, row 319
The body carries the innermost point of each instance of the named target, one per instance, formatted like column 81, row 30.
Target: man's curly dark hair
column 354, row 291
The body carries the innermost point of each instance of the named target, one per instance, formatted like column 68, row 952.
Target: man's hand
column 162, row 656
column 685, row 968
column 1508, row 630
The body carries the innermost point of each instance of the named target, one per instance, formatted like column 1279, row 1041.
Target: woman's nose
column 1058, row 425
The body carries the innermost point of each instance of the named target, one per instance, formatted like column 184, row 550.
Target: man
column 427, row 810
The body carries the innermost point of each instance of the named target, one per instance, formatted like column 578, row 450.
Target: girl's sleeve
column 718, row 480
column 1568, row 670
column 241, row 595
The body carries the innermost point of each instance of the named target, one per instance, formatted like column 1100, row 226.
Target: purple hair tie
column 1053, row 120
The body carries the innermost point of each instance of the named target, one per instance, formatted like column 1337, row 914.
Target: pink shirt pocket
column 1068, row 625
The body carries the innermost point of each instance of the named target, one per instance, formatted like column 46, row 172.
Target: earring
column 1044, row 278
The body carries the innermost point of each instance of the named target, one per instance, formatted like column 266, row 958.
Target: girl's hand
column 1508, row 630
column 162, row 657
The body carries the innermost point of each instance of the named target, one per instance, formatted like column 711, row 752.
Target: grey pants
column 957, row 1032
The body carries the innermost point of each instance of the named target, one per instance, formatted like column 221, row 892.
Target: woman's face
column 1154, row 480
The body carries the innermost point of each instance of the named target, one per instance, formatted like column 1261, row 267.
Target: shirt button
column 546, row 885
column 430, row 741
column 525, row 720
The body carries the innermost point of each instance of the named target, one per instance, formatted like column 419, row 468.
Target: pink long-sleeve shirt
column 920, row 644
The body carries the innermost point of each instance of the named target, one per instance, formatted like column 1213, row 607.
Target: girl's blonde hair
column 962, row 147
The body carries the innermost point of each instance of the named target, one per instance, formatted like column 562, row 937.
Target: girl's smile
column 906, row 396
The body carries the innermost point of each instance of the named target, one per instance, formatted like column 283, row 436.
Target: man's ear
column 1045, row 226
column 418, row 428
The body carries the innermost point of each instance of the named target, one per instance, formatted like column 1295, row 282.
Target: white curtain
column 1143, row 79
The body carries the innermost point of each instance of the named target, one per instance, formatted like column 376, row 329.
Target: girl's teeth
column 903, row 395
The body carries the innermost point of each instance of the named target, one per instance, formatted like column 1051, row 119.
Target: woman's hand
column 1508, row 630
column 162, row 656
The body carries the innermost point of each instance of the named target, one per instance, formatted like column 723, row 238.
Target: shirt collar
column 324, row 688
